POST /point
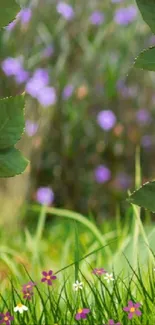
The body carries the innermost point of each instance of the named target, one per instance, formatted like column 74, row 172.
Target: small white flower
column 78, row 285
column 20, row 308
column 109, row 277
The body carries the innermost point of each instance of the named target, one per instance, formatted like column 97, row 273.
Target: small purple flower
column 132, row 309
column 45, row 195
column 146, row 141
column 65, row 10
column 27, row 294
column 6, row 318
column 31, row 128
column 97, row 18
column 11, row 26
column 28, row 286
column 106, row 119
column 67, row 92
column 47, row 96
column 82, row 313
column 125, row 16
column 99, row 271
column 48, row 51
column 22, row 76
column 143, row 116
column 111, row 322
column 39, row 81
column 12, row 66
column 123, row 180
column 48, row 277
column 102, row 174
column 25, row 15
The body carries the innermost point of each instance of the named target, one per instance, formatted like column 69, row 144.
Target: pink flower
column 48, row 277
column 6, row 318
column 111, row 322
column 82, row 313
column 132, row 309
column 28, row 286
column 99, row 271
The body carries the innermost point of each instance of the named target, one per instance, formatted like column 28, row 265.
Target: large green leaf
column 12, row 163
column 146, row 60
column 144, row 196
column 8, row 11
column 147, row 9
column 11, row 120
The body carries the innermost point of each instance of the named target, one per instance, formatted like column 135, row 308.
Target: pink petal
column 126, row 308
column 130, row 315
column 44, row 273
column 53, row 277
column 78, row 316
column 137, row 305
column 130, row 303
column 111, row 322
column 83, row 316
column 85, row 310
column 138, row 312
column 49, row 282
column 43, row 279
column 50, row 272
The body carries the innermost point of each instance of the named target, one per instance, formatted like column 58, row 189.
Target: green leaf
column 147, row 9
column 146, row 59
column 11, row 121
column 8, row 11
column 144, row 196
column 12, row 163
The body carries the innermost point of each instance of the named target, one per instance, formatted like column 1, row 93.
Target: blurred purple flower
column 65, row 10
column 123, row 180
column 45, row 195
column 97, row 18
column 124, row 16
column 47, row 96
column 106, row 119
column 25, row 15
column 102, row 174
column 143, row 116
column 38, row 81
column 31, row 128
column 146, row 141
column 116, row 1
column 22, row 76
column 67, row 92
column 11, row 26
column 48, row 51
column 12, row 66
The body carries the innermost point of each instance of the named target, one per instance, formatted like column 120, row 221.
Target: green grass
column 72, row 246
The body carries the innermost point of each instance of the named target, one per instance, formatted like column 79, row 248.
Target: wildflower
column 45, row 195
column 47, row 96
column 111, row 322
column 99, row 271
column 109, row 277
column 39, row 80
column 146, row 141
column 82, row 313
column 20, row 307
column 48, row 277
column 65, row 10
column 102, row 174
column 132, row 309
column 78, row 285
column 123, row 180
column 48, row 51
column 12, row 66
column 31, row 128
column 25, row 15
column 67, row 92
column 6, row 318
column 97, row 18
column 28, row 286
column 143, row 116
column 27, row 294
column 106, row 119
column 21, row 76
column 124, row 16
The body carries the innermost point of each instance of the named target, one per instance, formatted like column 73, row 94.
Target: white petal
column 16, row 309
column 20, row 310
column 25, row 308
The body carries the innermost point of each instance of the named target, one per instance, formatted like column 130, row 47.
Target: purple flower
column 45, row 195
column 146, row 141
column 123, row 180
column 102, row 174
column 124, row 16
column 82, row 313
column 25, row 15
column 27, row 294
column 132, row 309
column 97, row 18
column 28, row 286
column 65, row 10
column 99, row 271
column 111, row 322
column 39, row 80
column 12, row 66
column 48, row 51
column 47, row 96
column 6, row 318
column 106, row 119
column 67, row 92
column 48, row 277
column 31, row 128
column 143, row 116
column 11, row 26
column 21, row 76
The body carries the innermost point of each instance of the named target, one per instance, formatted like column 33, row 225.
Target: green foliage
column 8, row 11
column 11, row 128
column 146, row 60
column 147, row 9
column 144, row 196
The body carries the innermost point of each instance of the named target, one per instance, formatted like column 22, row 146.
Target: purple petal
column 130, row 315
column 43, row 280
column 53, row 277
column 50, row 272
column 130, row 303
column 137, row 305
column 44, row 273
column 49, row 282
column 85, row 310
column 111, row 322
column 78, row 316
column 138, row 312
column 126, row 308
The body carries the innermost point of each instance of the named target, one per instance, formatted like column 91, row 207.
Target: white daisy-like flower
column 20, row 307
column 109, row 277
column 78, row 285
